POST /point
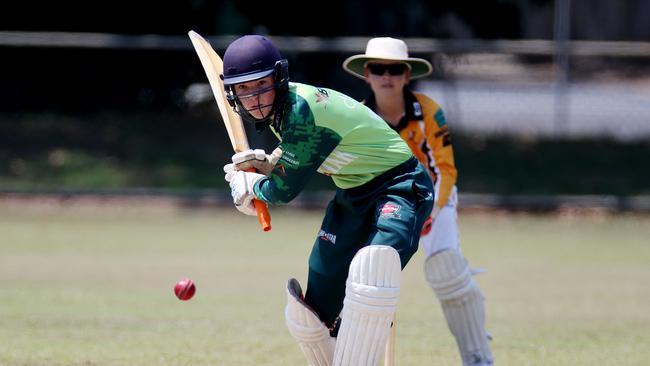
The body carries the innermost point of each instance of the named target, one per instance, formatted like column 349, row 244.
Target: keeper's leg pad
column 449, row 275
column 371, row 294
column 305, row 326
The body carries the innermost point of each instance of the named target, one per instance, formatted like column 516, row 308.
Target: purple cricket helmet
column 249, row 58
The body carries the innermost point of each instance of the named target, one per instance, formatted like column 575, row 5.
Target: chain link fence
column 545, row 88
column 522, row 89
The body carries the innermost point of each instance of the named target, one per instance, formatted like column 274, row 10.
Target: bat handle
column 262, row 211
column 263, row 214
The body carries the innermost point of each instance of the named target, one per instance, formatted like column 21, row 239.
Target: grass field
column 92, row 287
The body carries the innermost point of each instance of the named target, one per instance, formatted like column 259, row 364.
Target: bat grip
column 262, row 211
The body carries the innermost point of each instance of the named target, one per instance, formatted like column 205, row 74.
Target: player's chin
column 260, row 114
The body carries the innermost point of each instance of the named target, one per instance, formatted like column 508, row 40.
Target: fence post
column 562, row 29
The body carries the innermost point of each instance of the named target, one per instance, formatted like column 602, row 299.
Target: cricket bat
column 213, row 67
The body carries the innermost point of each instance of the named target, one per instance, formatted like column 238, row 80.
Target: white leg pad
column 371, row 294
column 462, row 303
column 305, row 326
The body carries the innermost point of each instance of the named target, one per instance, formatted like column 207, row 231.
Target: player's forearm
column 281, row 190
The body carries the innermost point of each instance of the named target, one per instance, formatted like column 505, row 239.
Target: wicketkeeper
column 387, row 68
column 372, row 225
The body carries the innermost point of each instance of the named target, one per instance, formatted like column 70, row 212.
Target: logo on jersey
column 390, row 210
column 325, row 236
column 417, row 110
column 440, row 118
column 289, row 159
column 322, row 96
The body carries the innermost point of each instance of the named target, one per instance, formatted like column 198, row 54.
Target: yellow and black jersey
column 425, row 130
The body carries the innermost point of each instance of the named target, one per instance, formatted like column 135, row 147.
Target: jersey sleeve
column 305, row 146
column 438, row 137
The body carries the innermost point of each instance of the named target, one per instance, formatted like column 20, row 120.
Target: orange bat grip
column 262, row 211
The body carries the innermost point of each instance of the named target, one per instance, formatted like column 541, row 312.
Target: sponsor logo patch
column 325, row 236
column 440, row 118
column 417, row 110
column 390, row 210
column 289, row 159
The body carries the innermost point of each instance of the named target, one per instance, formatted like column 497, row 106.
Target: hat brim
column 355, row 65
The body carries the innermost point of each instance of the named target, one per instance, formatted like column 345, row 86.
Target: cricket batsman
column 372, row 224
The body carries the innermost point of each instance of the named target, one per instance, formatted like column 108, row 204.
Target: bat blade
column 213, row 67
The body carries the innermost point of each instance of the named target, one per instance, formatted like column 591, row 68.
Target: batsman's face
column 257, row 96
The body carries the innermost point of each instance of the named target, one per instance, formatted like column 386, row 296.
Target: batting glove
column 257, row 159
column 241, row 189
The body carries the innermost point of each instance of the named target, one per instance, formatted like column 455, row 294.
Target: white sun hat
column 387, row 49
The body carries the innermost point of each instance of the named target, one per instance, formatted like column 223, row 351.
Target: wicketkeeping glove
column 241, row 188
column 428, row 224
column 258, row 159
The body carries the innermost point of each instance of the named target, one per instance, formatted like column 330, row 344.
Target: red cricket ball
column 184, row 289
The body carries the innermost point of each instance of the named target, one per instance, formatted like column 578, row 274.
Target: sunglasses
column 393, row 69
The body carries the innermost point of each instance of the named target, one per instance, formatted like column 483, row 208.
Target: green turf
column 84, row 287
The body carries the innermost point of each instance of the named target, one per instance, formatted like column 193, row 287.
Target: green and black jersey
column 328, row 132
